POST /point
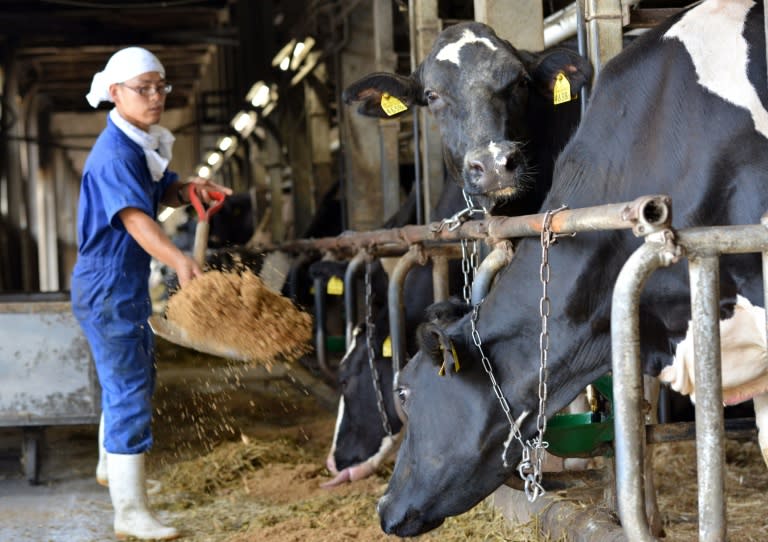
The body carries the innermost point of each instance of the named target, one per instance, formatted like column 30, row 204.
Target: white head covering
column 123, row 65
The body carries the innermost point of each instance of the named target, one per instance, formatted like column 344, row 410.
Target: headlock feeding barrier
column 649, row 217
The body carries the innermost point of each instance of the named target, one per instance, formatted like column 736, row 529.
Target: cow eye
column 402, row 394
column 432, row 98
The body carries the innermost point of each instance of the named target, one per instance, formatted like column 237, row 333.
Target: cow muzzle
column 496, row 170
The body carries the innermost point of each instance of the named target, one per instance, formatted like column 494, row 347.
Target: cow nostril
column 510, row 162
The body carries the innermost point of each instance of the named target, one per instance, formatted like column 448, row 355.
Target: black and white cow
column 681, row 111
column 360, row 443
column 493, row 104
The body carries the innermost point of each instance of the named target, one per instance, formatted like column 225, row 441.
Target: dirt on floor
column 241, row 452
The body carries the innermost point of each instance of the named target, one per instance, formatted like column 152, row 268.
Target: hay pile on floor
column 238, row 312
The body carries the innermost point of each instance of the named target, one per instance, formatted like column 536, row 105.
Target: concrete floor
column 67, row 505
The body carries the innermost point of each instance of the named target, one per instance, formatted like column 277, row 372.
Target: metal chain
column 531, row 462
column 454, row 222
column 469, row 262
column 369, row 330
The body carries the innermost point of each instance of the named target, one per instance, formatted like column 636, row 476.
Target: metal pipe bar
column 644, row 215
column 396, row 307
column 487, row 270
column 702, row 246
column 440, row 287
column 704, row 276
column 350, row 295
column 320, row 310
column 629, row 425
column 416, row 255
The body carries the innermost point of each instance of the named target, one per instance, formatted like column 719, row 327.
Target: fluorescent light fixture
column 204, row 172
column 165, row 214
column 283, row 54
column 307, row 67
column 259, row 95
column 214, row 159
column 227, row 145
column 244, row 122
column 285, row 64
column 301, row 51
column 267, row 110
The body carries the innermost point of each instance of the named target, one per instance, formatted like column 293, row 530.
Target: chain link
column 369, row 331
column 454, row 222
column 469, row 262
column 532, row 455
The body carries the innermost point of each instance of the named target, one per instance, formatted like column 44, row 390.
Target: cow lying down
column 744, row 364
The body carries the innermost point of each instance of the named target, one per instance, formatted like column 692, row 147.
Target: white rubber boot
column 127, row 488
column 101, row 467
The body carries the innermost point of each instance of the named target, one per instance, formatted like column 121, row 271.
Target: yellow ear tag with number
column 335, row 286
column 386, row 348
column 562, row 91
column 447, row 358
column 391, row 105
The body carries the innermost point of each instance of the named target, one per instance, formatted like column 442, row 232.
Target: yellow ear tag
column 335, row 286
column 391, row 105
column 386, row 348
column 562, row 91
column 447, row 357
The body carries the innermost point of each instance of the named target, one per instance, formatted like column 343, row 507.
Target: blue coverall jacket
column 110, row 290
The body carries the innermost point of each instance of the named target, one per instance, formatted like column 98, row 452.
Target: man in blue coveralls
column 124, row 182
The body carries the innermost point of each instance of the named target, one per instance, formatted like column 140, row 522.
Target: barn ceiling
column 59, row 44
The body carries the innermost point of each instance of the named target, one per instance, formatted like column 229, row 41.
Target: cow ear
column 383, row 95
column 550, row 67
column 445, row 312
column 434, row 342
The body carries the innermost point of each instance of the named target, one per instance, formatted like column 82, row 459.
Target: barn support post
column 274, row 167
column 386, row 61
column 424, row 28
column 520, row 21
column 710, row 455
column 319, row 134
column 362, row 159
column 605, row 20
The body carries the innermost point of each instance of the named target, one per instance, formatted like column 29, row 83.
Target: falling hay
column 238, row 312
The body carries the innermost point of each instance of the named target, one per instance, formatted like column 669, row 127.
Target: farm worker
column 124, row 181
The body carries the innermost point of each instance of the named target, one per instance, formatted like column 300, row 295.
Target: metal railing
column 702, row 247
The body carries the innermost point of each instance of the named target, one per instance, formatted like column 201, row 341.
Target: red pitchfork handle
column 202, row 228
column 202, row 213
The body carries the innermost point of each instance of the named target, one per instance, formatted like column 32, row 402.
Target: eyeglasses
column 150, row 90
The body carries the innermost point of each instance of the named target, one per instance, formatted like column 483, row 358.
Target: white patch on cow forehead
column 712, row 34
column 452, row 51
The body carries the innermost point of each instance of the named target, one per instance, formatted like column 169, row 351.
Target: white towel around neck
column 157, row 143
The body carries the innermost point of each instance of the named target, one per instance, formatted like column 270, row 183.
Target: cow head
column 360, row 442
column 488, row 99
column 452, row 433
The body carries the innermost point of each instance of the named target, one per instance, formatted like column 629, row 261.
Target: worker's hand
column 186, row 270
column 203, row 186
